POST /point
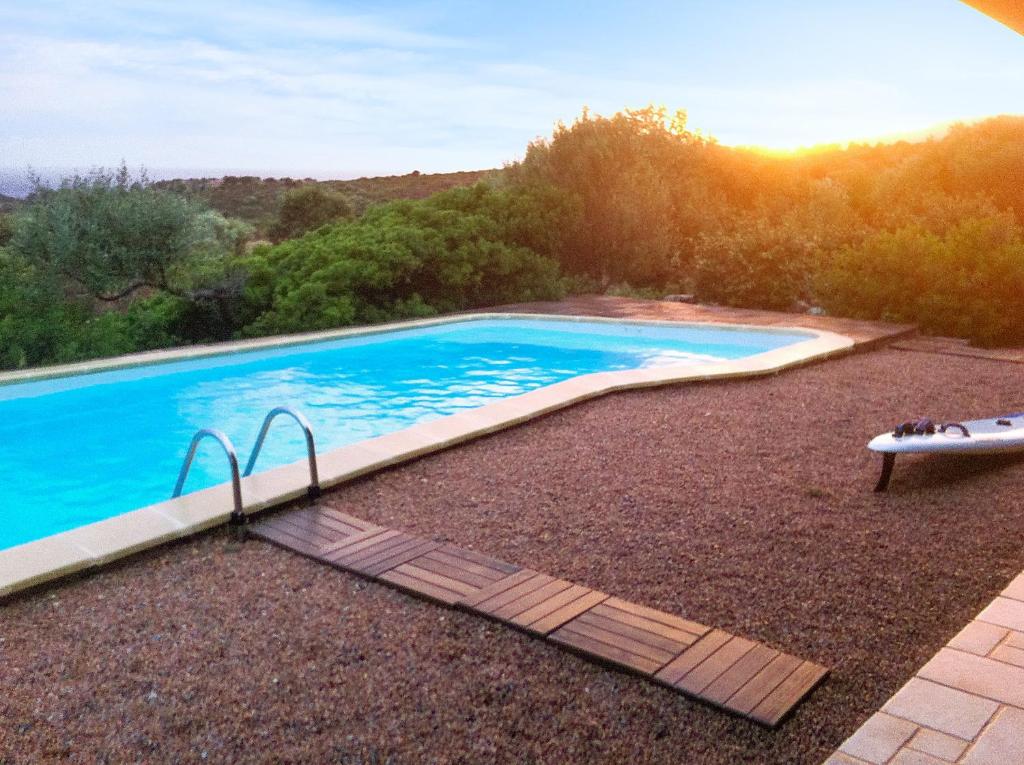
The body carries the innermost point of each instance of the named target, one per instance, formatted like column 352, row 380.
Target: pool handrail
column 238, row 515
column 307, row 430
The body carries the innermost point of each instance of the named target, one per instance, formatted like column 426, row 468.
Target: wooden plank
column 312, row 533
column 368, row 551
column 692, row 656
column 738, row 675
column 358, row 542
column 379, row 564
column 493, row 603
column 788, row 693
column 279, row 536
column 560, row 616
column 358, row 523
column 669, row 620
column 636, row 647
column 443, row 568
column 414, row 569
column 379, row 550
column 324, row 524
column 472, row 567
column 709, row 670
column 553, row 603
column 332, row 521
column 483, row 560
column 763, row 683
column 598, row 649
column 471, row 601
column 653, row 639
column 530, row 599
column 687, row 637
column 400, row 578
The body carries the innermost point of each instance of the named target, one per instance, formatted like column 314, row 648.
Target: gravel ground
column 745, row 505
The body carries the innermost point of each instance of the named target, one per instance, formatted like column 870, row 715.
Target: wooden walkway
column 739, row 675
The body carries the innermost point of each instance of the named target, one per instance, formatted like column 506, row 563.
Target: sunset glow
column 335, row 89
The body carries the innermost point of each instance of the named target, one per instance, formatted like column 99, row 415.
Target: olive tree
column 112, row 234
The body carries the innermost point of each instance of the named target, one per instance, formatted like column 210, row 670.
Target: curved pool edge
column 96, row 544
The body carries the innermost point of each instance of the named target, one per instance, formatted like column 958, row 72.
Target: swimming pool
column 82, row 448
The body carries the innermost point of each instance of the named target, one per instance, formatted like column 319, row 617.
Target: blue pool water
column 78, row 449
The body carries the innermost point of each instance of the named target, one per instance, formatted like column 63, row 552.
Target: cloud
column 309, row 88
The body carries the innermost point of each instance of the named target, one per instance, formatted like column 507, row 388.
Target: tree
column 623, row 173
column 111, row 235
column 307, row 208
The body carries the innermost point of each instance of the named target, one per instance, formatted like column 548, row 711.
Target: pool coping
column 96, row 544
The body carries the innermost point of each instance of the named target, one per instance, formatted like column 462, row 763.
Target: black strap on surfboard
column 956, row 426
column 925, row 427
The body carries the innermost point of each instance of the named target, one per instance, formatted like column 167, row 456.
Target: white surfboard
column 999, row 434
column 986, row 437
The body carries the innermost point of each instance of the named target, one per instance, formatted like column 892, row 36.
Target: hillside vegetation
column 258, row 200
column 929, row 232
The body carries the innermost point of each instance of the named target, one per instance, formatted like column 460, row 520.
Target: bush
column 401, row 260
column 758, row 265
column 307, row 208
column 966, row 283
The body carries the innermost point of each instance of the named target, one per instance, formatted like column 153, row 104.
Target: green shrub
column 967, row 283
column 401, row 260
column 757, row 265
column 307, row 208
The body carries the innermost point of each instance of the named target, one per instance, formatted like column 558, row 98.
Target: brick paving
column 966, row 705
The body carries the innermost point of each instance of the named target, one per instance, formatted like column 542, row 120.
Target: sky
column 342, row 89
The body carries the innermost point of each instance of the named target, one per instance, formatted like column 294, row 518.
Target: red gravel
column 744, row 505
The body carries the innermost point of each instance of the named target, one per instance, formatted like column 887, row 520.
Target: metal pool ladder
column 307, row 430
column 237, row 514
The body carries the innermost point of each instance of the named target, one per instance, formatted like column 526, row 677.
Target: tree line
column 930, row 232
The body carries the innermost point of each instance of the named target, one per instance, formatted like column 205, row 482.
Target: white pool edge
column 99, row 543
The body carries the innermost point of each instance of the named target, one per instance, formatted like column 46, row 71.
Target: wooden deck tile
column 373, row 552
column 423, row 582
column 666, row 620
column 740, row 675
column 495, row 604
column 285, row 536
column 324, row 524
column 448, row 574
column 642, row 639
column 763, row 683
column 709, row 670
column 674, row 671
column 500, row 586
column 788, row 693
column 548, row 616
column 309, row 530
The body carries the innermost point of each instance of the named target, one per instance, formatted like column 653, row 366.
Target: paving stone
column 1015, row 639
column 978, row 638
column 1001, row 743
column 1015, row 589
column 838, row 758
column 941, row 708
column 976, row 674
column 879, row 738
column 1005, row 612
column 1010, row 655
column 911, row 757
column 938, row 744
